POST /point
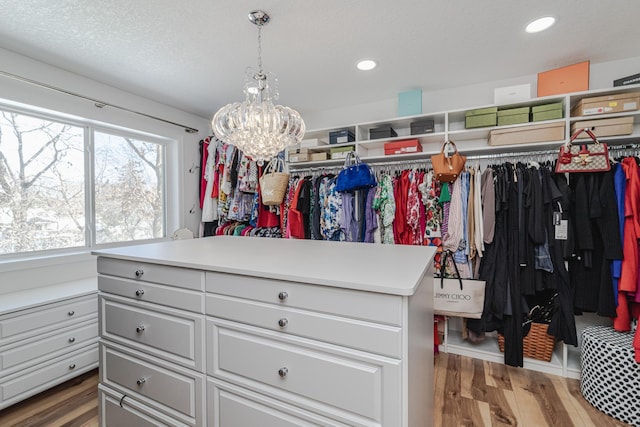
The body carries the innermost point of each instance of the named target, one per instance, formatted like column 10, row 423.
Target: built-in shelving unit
column 450, row 125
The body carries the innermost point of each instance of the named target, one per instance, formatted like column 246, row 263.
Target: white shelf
column 451, row 125
column 489, row 350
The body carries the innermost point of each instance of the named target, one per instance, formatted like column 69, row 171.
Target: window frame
column 89, row 126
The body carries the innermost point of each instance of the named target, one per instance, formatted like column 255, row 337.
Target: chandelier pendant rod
column 260, row 18
column 256, row 126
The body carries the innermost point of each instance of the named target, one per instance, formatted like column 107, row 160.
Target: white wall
column 601, row 76
column 33, row 273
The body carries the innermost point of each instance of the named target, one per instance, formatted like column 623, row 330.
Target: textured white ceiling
column 192, row 54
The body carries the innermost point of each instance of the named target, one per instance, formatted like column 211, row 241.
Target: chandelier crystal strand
column 256, row 126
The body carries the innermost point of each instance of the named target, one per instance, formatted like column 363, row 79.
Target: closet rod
column 97, row 103
column 382, row 162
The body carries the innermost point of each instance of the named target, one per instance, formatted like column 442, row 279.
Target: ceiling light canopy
column 366, row 65
column 540, row 24
column 256, row 126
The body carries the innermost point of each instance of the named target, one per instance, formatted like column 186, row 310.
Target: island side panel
column 420, row 353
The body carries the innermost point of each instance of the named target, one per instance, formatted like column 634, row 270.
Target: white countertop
column 22, row 300
column 391, row 269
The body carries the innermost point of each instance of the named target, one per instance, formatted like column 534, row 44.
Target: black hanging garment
column 597, row 242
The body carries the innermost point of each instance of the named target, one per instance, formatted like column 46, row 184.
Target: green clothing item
column 385, row 204
column 445, row 196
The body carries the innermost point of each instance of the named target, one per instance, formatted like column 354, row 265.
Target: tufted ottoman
column 610, row 377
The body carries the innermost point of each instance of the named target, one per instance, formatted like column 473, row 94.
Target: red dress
column 628, row 287
column 629, row 276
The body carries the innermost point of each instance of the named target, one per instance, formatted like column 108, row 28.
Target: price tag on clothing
column 562, row 230
column 557, row 217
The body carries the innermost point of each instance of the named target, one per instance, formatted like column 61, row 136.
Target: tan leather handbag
column 447, row 167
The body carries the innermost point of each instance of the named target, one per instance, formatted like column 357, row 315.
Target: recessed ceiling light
column 540, row 24
column 366, row 65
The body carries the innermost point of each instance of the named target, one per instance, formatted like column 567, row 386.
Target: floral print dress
column 384, row 203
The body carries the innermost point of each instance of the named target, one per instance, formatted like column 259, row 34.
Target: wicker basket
column 537, row 344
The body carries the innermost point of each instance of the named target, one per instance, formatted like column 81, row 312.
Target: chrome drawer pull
column 71, row 313
column 140, row 329
column 139, row 273
column 139, row 292
column 72, row 339
column 283, row 322
column 72, row 366
column 283, row 372
column 141, row 381
column 282, row 296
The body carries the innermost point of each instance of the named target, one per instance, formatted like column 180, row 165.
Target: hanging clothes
column 429, row 190
column 371, row 218
column 209, row 204
column 330, row 210
column 563, row 324
column 597, row 243
column 488, row 206
column 628, row 283
column 499, row 222
column 478, row 217
column 413, row 210
column 401, row 230
column 385, row 205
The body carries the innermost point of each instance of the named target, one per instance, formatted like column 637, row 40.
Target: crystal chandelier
column 256, row 126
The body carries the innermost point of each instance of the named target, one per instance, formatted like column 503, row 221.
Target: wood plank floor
column 70, row 404
column 470, row 392
column 473, row 392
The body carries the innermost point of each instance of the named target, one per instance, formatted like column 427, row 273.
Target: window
column 129, row 195
column 58, row 179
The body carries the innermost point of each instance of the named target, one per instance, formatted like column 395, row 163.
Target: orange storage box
column 402, row 147
column 572, row 78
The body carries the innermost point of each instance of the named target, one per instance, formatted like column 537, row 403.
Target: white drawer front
column 115, row 412
column 156, row 273
column 21, row 325
column 21, row 385
column 172, row 390
column 173, row 334
column 231, row 406
column 151, row 292
column 370, row 306
column 374, row 337
column 47, row 346
column 346, row 385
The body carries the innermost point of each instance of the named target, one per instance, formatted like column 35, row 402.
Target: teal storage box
column 481, row 117
column 410, row 103
column 547, row 112
column 513, row 116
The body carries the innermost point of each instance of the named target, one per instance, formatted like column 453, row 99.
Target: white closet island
column 241, row 331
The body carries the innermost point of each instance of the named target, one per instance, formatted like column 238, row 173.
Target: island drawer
column 176, row 391
column 292, row 370
column 151, row 292
column 175, row 335
column 367, row 336
column 370, row 306
column 155, row 273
